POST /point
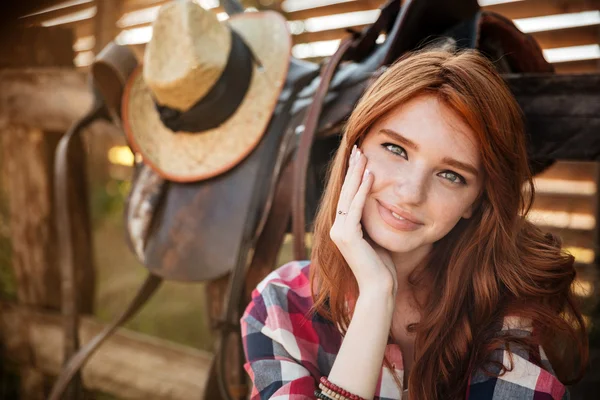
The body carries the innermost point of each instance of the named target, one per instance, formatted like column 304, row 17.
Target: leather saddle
column 234, row 223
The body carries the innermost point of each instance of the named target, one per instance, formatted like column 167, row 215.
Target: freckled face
column 430, row 174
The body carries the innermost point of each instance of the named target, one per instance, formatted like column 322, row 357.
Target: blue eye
column 400, row 151
column 453, row 177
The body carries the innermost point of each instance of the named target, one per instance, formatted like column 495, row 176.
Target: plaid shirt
column 286, row 353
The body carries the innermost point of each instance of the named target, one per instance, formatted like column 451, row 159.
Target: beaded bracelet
column 333, row 395
column 321, row 396
column 339, row 390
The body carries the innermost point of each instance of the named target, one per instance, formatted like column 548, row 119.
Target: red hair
column 493, row 264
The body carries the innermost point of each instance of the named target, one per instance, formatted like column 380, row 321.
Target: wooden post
column 108, row 13
column 28, row 188
column 37, row 105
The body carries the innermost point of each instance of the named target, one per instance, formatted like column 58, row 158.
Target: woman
column 422, row 258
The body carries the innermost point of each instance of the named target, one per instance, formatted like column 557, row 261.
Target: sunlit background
column 136, row 26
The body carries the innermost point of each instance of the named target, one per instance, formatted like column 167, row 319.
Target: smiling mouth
column 400, row 215
column 395, row 220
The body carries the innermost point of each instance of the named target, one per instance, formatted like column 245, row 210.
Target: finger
column 358, row 203
column 352, row 182
column 343, row 203
column 351, row 162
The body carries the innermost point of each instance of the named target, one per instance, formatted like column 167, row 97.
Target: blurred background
column 69, row 34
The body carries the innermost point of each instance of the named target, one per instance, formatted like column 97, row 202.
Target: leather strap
column 75, row 363
column 66, row 174
column 306, row 139
column 109, row 72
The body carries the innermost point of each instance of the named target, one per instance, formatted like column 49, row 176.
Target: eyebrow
column 446, row 160
column 398, row 137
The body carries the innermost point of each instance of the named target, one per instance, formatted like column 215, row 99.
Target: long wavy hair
column 494, row 264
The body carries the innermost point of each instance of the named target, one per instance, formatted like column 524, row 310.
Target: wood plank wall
column 566, row 200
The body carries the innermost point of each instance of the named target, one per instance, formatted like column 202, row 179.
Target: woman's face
column 426, row 168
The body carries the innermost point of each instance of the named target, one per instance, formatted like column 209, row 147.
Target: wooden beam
column 128, row 365
column 577, row 36
column 37, row 19
column 513, row 10
column 331, row 9
column 330, row 34
column 85, row 43
column 578, row 67
column 134, row 26
column 136, row 5
column 37, row 46
column 537, row 8
column 571, row 170
column 573, row 237
column 105, row 23
column 83, row 28
column 566, row 203
column 121, row 26
column 50, row 99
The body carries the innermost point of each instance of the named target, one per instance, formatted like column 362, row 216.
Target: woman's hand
column 371, row 264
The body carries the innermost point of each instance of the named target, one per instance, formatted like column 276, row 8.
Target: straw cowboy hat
column 207, row 89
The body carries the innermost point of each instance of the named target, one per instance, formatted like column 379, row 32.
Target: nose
column 411, row 186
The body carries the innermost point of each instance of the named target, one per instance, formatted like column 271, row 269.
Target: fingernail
column 366, row 173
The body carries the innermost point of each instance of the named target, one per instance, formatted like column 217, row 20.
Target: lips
column 407, row 223
column 400, row 212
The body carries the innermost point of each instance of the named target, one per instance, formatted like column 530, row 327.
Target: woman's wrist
column 379, row 295
column 378, row 287
column 358, row 363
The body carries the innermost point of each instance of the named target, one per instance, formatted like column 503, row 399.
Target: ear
column 468, row 213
